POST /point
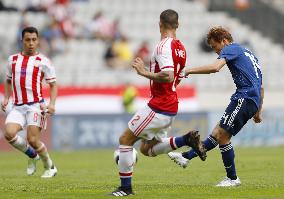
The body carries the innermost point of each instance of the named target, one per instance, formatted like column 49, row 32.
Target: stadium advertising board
column 75, row 131
column 71, row 132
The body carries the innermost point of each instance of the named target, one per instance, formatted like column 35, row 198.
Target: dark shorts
column 237, row 114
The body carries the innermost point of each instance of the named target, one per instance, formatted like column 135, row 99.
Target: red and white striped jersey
column 169, row 55
column 26, row 74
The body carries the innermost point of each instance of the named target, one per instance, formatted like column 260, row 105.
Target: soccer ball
column 116, row 155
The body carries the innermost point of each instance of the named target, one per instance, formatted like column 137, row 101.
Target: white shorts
column 148, row 124
column 27, row 115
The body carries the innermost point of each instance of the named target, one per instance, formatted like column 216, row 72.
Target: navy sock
column 228, row 157
column 210, row 143
column 126, row 182
column 180, row 141
column 31, row 152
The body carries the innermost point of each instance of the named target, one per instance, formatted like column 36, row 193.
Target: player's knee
column 32, row 140
column 122, row 140
column 221, row 136
column 127, row 140
column 9, row 134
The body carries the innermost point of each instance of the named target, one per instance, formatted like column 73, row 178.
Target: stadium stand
column 82, row 63
column 252, row 13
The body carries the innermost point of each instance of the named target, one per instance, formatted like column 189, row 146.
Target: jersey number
column 254, row 63
column 35, row 117
column 135, row 120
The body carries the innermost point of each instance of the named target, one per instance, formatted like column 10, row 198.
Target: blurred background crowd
column 92, row 42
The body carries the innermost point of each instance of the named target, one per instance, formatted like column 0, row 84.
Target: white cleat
column 227, row 182
column 49, row 173
column 31, row 169
column 178, row 159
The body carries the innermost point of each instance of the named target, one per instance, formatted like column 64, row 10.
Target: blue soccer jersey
column 245, row 71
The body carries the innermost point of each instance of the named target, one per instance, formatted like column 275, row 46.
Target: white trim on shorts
column 148, row 124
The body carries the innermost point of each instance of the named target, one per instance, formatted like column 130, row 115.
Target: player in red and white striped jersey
column 152, row 123
column 28, row 73
column 25, row 73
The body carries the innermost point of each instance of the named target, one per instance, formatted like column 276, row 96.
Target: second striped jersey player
column 26, row 72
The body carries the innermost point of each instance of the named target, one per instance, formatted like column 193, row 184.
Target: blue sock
column 126, row 182
column 228, row 157
column 180, row 141
column 210, row 143
column 31, row 152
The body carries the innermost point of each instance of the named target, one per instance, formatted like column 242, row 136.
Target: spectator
column 38, row 5
column 242, row 4
column 124, row 54
column 100, row 28
column 110, row 57
column 52, row 39
column 61, row 12
column 115, row 30
column 118, row 54
column 143, row 52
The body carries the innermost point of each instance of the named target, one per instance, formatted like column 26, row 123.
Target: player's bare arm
column 7, row 94
column 207, row 69
column 53, row 95
column 163, row 76
column 257, row 118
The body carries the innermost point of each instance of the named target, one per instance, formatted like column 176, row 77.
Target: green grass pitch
column 93, row 174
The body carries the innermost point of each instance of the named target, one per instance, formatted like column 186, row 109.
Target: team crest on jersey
column 14, row 62
column 23, row 72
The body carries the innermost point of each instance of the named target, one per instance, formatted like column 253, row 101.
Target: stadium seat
column 139, row 20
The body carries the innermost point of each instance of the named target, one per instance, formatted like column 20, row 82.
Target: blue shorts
column 237, row 114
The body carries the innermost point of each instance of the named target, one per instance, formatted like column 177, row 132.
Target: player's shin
column 42, row 152
column 21, row 144
column 209, row 144
column 125, row 164
column 228, row 157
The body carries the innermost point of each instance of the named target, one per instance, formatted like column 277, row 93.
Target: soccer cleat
column 31, row 169
column 178, row 159
column 227, row 182
column 193, row 140
column 120, row 191
column 49, row 173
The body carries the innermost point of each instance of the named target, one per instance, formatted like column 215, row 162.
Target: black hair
column 29, row 30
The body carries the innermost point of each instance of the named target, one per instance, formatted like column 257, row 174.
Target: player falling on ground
column 246, row 102
column 153, row 121
column 25, row 73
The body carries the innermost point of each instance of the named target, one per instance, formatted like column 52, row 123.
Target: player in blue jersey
column 246, row 102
